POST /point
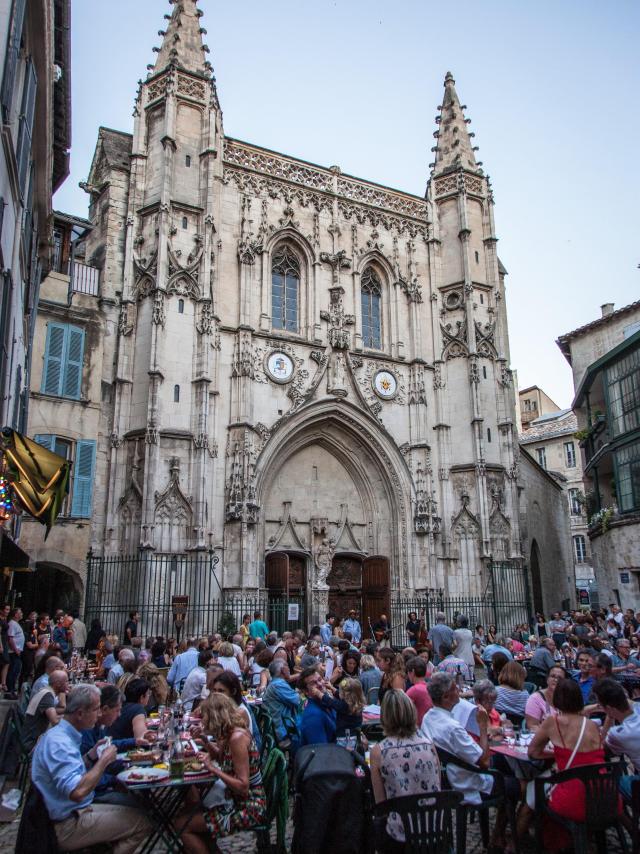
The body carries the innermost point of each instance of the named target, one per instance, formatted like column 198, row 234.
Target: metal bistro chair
column 602, row 798
column 482, row 809
column 426, row 821
column 275, row 781
column 372, row 694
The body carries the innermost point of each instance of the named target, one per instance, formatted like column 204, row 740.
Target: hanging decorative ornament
column 7, row 505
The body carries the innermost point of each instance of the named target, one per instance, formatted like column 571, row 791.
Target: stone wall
column 616, row 554
column 546, row 530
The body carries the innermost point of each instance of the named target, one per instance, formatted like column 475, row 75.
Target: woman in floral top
column 405, row 762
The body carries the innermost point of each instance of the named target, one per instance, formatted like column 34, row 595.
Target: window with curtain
column 580, row 548
column 370, row 297
column 285, row 289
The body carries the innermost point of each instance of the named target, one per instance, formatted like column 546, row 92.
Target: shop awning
column 39, row 477
column 11, row 555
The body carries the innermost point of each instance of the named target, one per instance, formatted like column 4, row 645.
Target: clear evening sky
column 551, row 87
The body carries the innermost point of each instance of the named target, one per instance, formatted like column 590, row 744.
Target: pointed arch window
column 285, row 289
column 370, row 298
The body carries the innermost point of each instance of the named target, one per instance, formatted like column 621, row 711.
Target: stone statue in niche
column 323, row 559
column 337, row 376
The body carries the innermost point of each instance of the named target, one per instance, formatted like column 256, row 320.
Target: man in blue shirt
column 183, row 664
column 440, row 634
column 281, row 701
column 352, row 625
column 258, row 628
column 583, row 674
column 317, row 724
column 499, row 646
column 60, row 774
column 326, row 631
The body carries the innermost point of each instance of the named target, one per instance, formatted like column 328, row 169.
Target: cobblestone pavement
column 245, row 843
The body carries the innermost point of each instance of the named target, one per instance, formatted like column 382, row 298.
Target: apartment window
column 11, row 57
column 628, row 477
column 25, row 132
column 83, row 456
column 63, row 356
column 570, row 455
column 623, row 392
column 580, row 548
column 541, row 454
column 575, row 505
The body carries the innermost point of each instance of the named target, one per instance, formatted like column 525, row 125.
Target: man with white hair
column 59, row 773
column 118, row 670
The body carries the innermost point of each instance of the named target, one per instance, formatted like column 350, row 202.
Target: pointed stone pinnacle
column 182, row 40
column 454, row 147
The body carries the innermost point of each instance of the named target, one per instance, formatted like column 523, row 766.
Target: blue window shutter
column 72, row 377
column 83, row 471
column 53, row 358
column 46, row 441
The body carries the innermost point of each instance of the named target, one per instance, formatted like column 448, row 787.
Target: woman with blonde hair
column 348, row 706
column 393, row 673
column 405, row 762
column 158, row 683
column 237, row 765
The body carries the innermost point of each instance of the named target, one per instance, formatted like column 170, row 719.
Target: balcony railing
column 85, row 279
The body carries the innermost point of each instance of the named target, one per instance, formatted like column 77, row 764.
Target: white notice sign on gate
column 293, row 613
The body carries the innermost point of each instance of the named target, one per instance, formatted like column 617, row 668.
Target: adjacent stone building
column 304, row 379
column 605, row 358
column 35, row 132
column 550, row 439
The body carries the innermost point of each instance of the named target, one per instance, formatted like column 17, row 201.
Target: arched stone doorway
column 536, row 579
column 50, row 587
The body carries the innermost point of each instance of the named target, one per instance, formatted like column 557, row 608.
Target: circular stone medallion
column 385, row 385
column 279, row 366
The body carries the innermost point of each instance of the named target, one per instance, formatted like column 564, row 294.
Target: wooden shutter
column 72, row 378
column 11, row 59
column 83, row 471
column 276, row 573
column 23, row 151
column 53, row 358
column 46, row 441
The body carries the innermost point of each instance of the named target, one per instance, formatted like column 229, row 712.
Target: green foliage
column 227, row 624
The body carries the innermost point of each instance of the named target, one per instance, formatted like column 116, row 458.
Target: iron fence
column 147, row 583
column 505, row 604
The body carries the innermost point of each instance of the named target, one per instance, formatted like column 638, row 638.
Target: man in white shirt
column 196, row 680
column 621, row 728
column 15, row 637
column 448, row 734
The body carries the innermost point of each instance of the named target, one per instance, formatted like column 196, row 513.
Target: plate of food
column 140, row 757
column 194, row 767
column 137, row 775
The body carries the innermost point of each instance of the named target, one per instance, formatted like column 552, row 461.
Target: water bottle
column 176, row 759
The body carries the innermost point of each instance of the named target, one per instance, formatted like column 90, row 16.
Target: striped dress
column 238, row 813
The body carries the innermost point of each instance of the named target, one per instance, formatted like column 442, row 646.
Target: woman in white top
column 464, row 642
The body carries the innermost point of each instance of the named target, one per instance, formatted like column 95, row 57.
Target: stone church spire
column 182, row 43
column 454, row 149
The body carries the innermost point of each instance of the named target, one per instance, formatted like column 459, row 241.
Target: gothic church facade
column 304, row 371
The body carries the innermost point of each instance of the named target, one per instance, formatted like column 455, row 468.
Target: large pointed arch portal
column 335, row 492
